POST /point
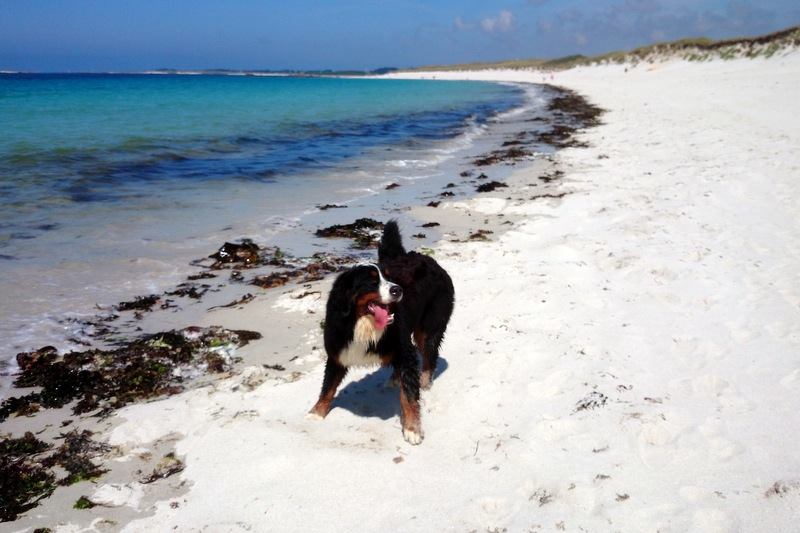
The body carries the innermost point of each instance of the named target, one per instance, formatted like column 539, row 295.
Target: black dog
column 374, row 310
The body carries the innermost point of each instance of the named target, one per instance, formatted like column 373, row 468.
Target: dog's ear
column 340, row 300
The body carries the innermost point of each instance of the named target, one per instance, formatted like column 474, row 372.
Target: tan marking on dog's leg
column 412, row 427
column 426, row 375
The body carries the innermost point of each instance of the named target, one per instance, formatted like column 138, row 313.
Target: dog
column 374, row 310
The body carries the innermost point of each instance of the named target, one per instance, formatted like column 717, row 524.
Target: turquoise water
column 88, row 138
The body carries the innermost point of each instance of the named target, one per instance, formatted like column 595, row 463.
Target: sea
column 111, row 184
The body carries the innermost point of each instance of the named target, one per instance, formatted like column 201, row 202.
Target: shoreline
column 621, row 357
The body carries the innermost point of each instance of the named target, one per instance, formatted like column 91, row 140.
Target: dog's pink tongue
column 381, row 316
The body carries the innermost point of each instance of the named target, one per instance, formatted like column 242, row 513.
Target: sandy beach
column 622, row 356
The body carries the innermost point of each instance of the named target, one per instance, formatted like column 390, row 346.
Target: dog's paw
column 314, row 416
column 412, row 437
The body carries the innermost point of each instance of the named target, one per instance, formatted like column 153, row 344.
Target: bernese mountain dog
column 374, row 311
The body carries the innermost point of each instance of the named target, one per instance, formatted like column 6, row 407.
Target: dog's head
column 363, row 291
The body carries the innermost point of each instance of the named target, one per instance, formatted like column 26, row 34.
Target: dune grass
column 690, row 49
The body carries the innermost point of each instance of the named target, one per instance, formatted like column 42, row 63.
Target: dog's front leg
column 409, row 395
column 334, row 374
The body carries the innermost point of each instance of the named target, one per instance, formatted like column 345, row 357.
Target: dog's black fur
column 422, row 312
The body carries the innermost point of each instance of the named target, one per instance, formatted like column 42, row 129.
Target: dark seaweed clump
column 245, row 253
column 25, row 445
column 75, row 456
column 319, row 265
column 24, row 482
column 573, row 113
column 140, row 303
column 28, row 474
column 108, row 379
column 365, row 232
column 490, row 186
column 510, row 155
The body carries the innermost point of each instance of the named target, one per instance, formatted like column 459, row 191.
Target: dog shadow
column 371, row 397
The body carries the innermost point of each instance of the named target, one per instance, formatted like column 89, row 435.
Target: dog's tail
column 391, row 242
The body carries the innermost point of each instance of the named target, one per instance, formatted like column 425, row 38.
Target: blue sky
column 98, row 35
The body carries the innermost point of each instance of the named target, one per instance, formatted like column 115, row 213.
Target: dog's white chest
column 357, row 352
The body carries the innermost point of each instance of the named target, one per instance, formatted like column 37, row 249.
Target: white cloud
column 503, row 22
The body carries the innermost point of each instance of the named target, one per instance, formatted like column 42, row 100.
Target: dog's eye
column 373, row 274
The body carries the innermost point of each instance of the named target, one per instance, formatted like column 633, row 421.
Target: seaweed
column 577, row 107
column 168, row 466
column 490, row 186
column 28, row 444
column 190, row 290
column 75, row 456
column 480, row 235
column 201, row 275
column 498, row 156
column 84, row 503
column 147, row 367
column 555, row 175
column 276, row 279
column 139, row 303
column 247, row 298
column 319, row 265
column 593, row 400
column 244, row 253
column 550, row 195
column 21, row 405
column 573, row 113
column 365, row 232
column 24, row 484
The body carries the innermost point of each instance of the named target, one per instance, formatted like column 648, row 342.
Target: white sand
column 667, row 285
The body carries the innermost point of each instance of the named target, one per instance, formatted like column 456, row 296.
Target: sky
column 132, row 35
